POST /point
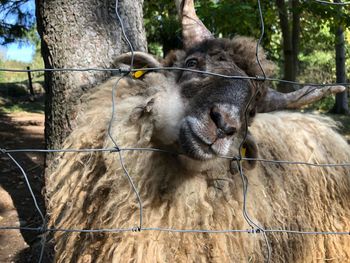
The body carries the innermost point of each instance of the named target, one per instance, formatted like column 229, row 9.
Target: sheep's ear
column 142, row 116
column 249, row 150
column 141, row 110
column 140, row 60
column 275, row 100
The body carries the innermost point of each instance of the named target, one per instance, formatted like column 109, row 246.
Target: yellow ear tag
column 138, row 74
column 243, row 152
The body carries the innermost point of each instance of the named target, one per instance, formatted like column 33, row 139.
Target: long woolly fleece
column 91, row 191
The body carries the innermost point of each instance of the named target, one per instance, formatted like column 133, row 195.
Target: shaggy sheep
column 90, row 191
column 202, row 118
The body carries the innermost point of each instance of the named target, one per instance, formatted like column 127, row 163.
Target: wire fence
column 255, row 227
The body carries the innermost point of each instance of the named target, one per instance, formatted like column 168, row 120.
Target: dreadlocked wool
column 91, row 191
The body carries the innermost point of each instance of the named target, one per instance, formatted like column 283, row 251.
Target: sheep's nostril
column 223, row 128
column 230, row 131
column 216, row 117
column 220, row 133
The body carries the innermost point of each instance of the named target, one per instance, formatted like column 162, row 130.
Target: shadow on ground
column 21, row 130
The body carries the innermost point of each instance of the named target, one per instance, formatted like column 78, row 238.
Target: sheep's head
column 203, row 115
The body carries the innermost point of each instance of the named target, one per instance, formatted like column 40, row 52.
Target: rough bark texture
column 77, row 34
column 341, row 99
column 295, row 37
column 291, row 35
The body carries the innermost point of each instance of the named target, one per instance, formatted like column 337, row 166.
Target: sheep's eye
column 191, row 63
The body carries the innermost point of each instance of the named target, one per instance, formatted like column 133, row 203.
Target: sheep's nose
column 224, row 125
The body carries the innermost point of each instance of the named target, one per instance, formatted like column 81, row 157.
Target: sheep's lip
column 193, row 145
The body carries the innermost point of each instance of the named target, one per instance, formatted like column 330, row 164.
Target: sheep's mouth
column 197, row 146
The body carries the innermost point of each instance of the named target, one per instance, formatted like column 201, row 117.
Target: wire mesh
column 255, row 227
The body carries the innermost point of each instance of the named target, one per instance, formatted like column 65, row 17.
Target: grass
column 15, row 98
column 23, row 106
column 14, row 91
column 12, row 77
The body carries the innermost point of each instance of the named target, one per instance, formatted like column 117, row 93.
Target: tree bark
column 341, row 99
column 77, row 34
column 290, row 37
column 295, row 37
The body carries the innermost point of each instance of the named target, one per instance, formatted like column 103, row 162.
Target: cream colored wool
column 90, row 191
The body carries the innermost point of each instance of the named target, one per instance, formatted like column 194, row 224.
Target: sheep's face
column 214, row 106
column 204, row 115
column 200, row 115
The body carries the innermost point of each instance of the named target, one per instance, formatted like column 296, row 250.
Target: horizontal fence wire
column 123, row 71
column 255, row 226
column 173, row 230
column 332, row 3
column 111, row 150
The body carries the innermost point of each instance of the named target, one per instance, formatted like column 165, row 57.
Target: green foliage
column 324, row 105
column 12, row 106
column 10, row 77
column 17, row 19
column 162, row 26
column 335, row 14
column 37, row 62
column 1, row 73
column 225, row 18
column 318, row 38
column 317, row 67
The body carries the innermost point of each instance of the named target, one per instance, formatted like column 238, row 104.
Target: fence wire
column 332, row 3
column 122, row 71
column 255, row 227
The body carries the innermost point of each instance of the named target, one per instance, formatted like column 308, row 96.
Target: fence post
column 31, row 90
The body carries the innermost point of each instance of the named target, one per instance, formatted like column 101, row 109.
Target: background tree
column 163, row 28
column 289, row 20
column 77, row 34
column 336, row 19
column 299, row 35
column 341, row 99
column 225, row 18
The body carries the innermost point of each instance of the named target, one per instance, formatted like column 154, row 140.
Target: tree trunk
column 76, row 34
column 341, row 99
column 295, row 37
column 290, row 37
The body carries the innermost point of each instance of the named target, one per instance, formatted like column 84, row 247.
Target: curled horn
column 193, row 30
column 275, row 100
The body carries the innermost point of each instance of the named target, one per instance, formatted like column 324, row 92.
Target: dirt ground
column 19, row 131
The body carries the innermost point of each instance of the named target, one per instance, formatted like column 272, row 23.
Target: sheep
column 196, row 120
column 90, row 191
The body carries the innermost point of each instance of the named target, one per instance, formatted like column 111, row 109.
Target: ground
column 20, row 129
